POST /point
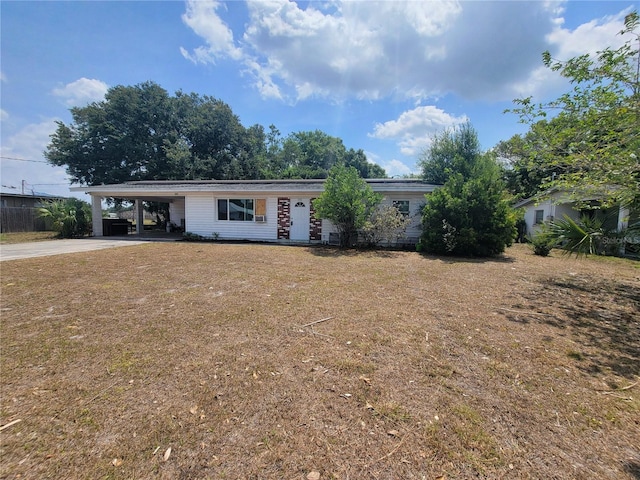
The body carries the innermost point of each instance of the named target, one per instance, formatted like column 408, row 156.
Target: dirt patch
column 516, row 367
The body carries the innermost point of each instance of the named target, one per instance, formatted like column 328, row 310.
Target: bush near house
column 348, row 201
column 386, row 226
column 69, row 218
column 542, row 243
column 470, row 215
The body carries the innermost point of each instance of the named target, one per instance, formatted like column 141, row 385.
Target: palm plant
column 68, row 217
column 585, row 236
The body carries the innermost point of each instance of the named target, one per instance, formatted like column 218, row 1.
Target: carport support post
column 96, row 215
column 139, row 217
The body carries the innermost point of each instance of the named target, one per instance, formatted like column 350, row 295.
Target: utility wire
column 23, row 159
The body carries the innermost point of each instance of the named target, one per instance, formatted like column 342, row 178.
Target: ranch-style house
column 256, row 210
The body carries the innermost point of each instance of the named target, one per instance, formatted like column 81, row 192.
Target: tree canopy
column 591, row 147
column 452, row 151
column 311, row 155
column 523, row 158
column 142, row 133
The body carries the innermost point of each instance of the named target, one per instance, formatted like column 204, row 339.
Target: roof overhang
column 166, row 190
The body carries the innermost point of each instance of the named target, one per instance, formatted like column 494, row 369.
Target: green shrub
column 70, row 217
column 541, row 243
column 385, row 226
column 470, row 214
column 192, row 237
column 348, row 201
column 468, row 217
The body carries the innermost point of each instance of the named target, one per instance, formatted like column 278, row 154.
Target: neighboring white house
column 258, row 210
column 555, row 205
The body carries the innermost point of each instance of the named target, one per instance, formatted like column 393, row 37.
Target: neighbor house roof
column 559, row 196
column 39, row 196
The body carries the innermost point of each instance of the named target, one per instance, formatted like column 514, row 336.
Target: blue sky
column 384, row 76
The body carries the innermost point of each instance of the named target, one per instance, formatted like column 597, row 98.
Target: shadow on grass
column 502, row 258
column 633, row 469
column 329, row 251
column 602, row 315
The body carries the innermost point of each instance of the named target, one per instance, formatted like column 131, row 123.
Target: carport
column 137, row 193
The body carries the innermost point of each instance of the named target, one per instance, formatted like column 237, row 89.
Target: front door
column 299, row 219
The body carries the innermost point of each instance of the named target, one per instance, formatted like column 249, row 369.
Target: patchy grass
column 515, row 367
column 24, row 237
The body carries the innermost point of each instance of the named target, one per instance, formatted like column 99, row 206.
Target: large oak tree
column 142, row 133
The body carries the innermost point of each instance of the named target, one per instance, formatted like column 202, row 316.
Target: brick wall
column 284, row 218
column 315, row 224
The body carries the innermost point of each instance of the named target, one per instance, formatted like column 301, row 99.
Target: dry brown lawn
column 193, row 361
column 22, row 237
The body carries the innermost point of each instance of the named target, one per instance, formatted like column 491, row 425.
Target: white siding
column 177, row 211
column 529, row 218
column 566, row 209
column 548, row 209
column 202, row 219
column 327, row 229
column 199, row 211
column 416, row 202
column 554, row 207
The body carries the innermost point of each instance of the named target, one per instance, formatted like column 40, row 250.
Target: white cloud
column 376, row 49
column 29, row 143
column 82, row 92
column 357, row 48
column 563, row 44
column 403, row 49
column 202, row 18
column 395, row 168
column 264, row 81
column 3, row 77
column 588, row 37
column 4, row 115
column 415, row 128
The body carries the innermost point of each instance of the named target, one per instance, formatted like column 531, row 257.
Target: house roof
column 173, row 188
column 527, row 201
column 38, row 196
column 558, row 196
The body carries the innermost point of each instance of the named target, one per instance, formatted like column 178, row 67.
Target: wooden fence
column 21, row 219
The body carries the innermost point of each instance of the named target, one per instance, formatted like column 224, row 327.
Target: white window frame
column 400, row 205
column 228, row 201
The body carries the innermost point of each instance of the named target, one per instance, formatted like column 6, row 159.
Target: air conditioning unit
column 260, row 218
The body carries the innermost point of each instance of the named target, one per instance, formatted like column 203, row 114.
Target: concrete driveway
column 56, row 247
